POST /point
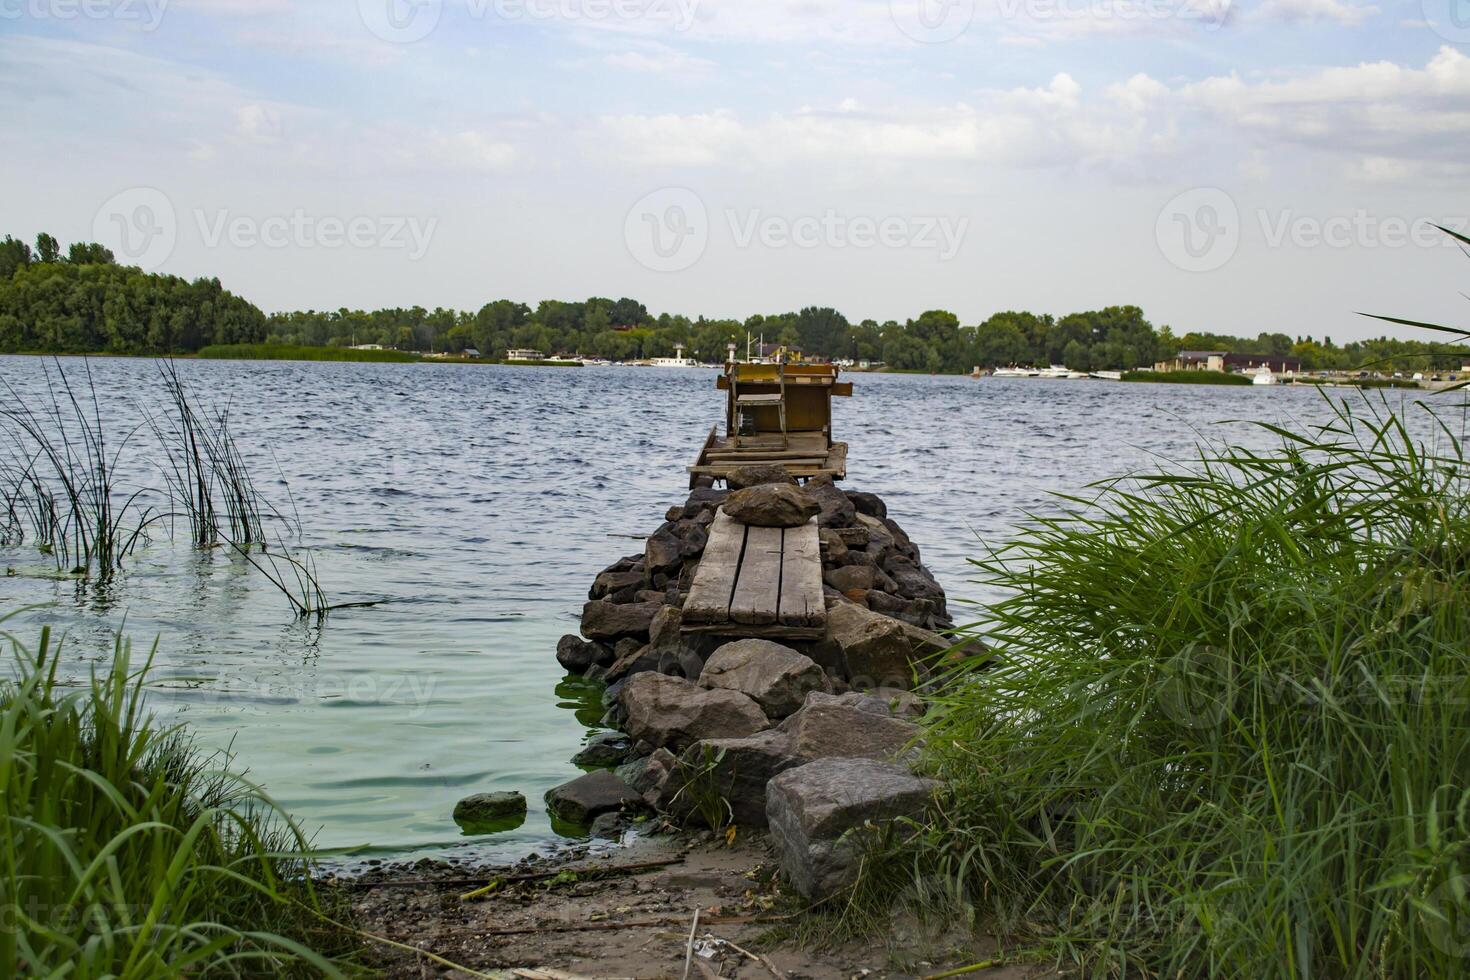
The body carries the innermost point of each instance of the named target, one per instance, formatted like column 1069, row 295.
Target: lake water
column 480, row 502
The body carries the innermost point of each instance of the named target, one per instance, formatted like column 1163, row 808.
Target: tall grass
column 1224, row 724
column 126, row 852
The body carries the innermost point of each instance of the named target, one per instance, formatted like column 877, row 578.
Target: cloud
column 1315, row 11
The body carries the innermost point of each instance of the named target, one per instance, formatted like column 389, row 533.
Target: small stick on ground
column 689, row 946
column 762, row 960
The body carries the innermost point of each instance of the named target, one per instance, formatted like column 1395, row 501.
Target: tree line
column 83, row 301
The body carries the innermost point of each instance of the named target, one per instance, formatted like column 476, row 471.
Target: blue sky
column 1233, row 167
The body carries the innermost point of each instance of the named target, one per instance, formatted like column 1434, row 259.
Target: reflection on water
column 480, row 502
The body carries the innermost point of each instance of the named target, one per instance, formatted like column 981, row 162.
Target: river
column 479, row 502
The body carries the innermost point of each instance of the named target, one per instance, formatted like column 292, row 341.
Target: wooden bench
column 758, row 581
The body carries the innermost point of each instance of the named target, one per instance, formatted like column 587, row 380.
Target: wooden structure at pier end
column 767, row 581
column 776, row 413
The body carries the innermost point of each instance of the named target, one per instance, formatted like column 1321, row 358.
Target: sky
column 1233, row 167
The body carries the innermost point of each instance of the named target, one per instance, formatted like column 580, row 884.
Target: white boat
column 1014, row 372
column 1108, row 375
column 677, row 361
column 594, row 362
column 1263, row 376
column 1054, row 371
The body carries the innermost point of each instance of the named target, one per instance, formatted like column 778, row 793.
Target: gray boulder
column 605, row 749
column 776, row 677
column 663, row 552
column 879, row 651
column 755, row 474
column 603, row 620
column 587, row 797
column 490, row 812
column 771, row 505
column 868, row 503
column 674, row 712
column 648, row 775
column 835, row 510
column 617, row 586
column 643, row 658
column 889, row 702
column 850, row 577
column 834, row 549
column 734, row 769
column 835, row 727
column 820, row 815
column 576, row 654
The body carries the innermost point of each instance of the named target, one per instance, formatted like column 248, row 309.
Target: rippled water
column 481, row 501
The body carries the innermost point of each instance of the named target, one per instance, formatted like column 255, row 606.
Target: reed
column 1220, row 729
column 128, row 852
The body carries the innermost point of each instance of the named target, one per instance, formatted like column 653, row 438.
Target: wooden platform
column 758, row 581
column 806, row 455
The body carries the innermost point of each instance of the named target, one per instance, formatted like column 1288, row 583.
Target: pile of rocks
column 807, row 738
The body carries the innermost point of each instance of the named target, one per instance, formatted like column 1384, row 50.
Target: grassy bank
column 290, row 352
column 1224, row 729
column 1187, row 377
column 126, row 851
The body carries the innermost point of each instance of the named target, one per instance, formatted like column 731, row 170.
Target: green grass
column 292, row 352
column 1187, row 377
column 1224, row 724
column 127, row 852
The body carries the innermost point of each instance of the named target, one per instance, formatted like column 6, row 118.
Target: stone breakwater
column 810, row 739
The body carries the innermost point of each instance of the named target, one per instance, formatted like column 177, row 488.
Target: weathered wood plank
column 802, row 603
column 714, row 580
column 757, row 597
column 774, row 631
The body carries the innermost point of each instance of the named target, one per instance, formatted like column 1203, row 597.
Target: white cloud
column 1315, row 11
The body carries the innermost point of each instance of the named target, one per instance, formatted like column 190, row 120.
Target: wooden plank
column 773, row 631
column 714, row 580
column 802, row 603
column 709, row 441
column 757, row 595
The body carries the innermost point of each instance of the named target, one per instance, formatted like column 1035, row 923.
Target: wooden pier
column 758, row 581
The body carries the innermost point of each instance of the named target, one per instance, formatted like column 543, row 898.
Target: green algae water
column 478, row 503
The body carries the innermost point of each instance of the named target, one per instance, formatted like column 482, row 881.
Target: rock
column 673, row 712
column 648, row 774
column 856, row 537
column 850, row 577
column 835, row 509
column 879, row 651
column 609, row 826
column 663, row 552
column 776, row 677
column 603, row 620
column 868, row 503
column 489, row 812
column 616, row 584
column 755, row 474
column 704, row 480
column 880, row 539
column 735, row 770
column 702, row 499
column 831, row 727
column 771, row 505
column 644, row 658
column 588, row 797
column 818, row 813
column 888, row 702
column 678, row 655
column 576, row 654
column 901, row 539
column 664, row 627
column 834, row 549
column 913, row 581
column 605, row 749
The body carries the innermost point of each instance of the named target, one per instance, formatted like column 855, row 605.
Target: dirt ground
column 575, row 915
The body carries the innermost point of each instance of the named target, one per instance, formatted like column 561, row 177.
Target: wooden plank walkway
column 758, row 581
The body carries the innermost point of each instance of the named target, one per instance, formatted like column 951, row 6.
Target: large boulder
column 819, row 815
column 868, row 503
column 649, row 774
column 641, row 659
column 488, row 813
column 879, row 651
column 603, row 750
column 617, row 586
column 703, row 500
column 776, row 677
column 678, row 653
column 576, row 654
column 771, row 505
column 673, row 712
column 913, row 581
column 850, row 577
column 587, row 797
column 755, row 474
column 888, row 702
column 603, row 620
column 828, row 727
column 663, row 551
column 835, row 510
column 735, row 770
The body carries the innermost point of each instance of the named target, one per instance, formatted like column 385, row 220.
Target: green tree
column 47, row 248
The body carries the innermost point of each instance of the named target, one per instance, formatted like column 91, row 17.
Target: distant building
column 471, row 352
column 524, row 354
column 1219, row 360
column 367, row 346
